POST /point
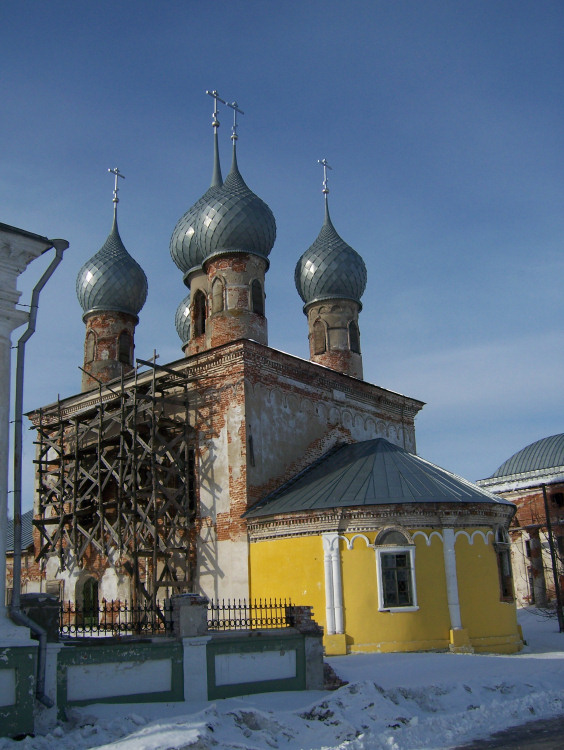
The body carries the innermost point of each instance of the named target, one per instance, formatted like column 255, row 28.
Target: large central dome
column 234, row 219
column 184, row 250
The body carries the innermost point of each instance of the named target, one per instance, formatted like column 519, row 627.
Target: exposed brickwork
column 101, row 346
column 342, row 361
column 330, row 340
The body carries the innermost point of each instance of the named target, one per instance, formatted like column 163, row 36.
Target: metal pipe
column 15, row 608
column 553, row 560
column 22, row 619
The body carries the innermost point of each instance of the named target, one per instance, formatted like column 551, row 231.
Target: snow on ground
column 392, row 702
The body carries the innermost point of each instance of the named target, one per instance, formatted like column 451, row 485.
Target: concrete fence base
column 195, row 665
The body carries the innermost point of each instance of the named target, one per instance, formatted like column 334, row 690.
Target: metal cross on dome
column 235, row 107
column 324, row 163
column 115, row 171
column 216, row 98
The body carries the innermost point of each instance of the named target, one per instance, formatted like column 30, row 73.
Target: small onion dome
column 184, row 249
column 111, row 279
column 330, row 269
column 236, row 220
column 182, row 320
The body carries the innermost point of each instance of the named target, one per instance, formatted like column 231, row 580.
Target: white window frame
column 396, row 549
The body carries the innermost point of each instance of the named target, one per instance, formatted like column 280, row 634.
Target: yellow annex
column 387, row 586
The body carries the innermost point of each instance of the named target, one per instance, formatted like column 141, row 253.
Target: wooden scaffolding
column 115, row 480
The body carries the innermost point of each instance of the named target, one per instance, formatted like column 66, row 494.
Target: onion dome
column 112, row 279
column 184, row 249
column 182, row 320
column 235, row 220
column 330, row 269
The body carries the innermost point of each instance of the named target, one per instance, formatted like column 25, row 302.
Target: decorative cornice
column 525, row 480
column 245, row 352
column 353, row 520
column 318, row 376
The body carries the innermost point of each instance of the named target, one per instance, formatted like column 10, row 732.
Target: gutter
column 15, row 608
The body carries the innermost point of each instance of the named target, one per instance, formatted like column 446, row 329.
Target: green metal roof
column 27, row 532
column 374, row 472
column 547, row 453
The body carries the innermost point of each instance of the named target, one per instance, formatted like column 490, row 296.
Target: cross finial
column 235, row 107
column 115, row 171
column 216, row 98
column 325, row 166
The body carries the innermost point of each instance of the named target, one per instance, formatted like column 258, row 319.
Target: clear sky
column 443, row 122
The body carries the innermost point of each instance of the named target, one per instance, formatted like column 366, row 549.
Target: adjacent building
column 533, row 479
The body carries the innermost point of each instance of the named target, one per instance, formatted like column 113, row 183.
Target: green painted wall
column 18, row 718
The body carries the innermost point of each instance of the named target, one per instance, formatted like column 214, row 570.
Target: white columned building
column 17, row 249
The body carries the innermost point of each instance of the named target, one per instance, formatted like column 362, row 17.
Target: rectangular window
column 396, row 578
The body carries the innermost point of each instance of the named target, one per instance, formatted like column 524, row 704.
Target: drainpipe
column 15, row 609
column 553, row 560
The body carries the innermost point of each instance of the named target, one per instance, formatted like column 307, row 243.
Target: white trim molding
column 393, row 549
column 333, row 584
column 449, row 538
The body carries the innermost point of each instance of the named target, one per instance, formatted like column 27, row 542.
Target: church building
column 240, row 471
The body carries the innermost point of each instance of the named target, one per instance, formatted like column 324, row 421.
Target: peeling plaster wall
column 296, row 412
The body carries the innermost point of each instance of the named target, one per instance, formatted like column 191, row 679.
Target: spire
column 234, row 137
column 217, row 179
column 325, row 164
column 115, row 171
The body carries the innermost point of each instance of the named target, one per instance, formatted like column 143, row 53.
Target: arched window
column 502, row 548
column 319, row 341
column 199, row 313
column 124, row 348
column 90, row 348
column 218, row 303
column 354, row 337
column 395, row 555
column 257, row 298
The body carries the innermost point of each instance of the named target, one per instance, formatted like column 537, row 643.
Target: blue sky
column 442, row 122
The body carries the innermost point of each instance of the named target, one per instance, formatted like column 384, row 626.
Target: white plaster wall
column 127, row 678
column 234, row 669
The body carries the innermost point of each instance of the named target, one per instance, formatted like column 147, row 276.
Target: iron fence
column 253, row 615
column 115, row 619
column 121, row 618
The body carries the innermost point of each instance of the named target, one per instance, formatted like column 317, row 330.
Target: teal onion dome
column 182, row 320
column 184, row 249
column 330, row 269
column 112, row 279
column 234, row 219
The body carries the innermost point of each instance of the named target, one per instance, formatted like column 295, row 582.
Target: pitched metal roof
column 374, row 472
column 547, row 453
column 27, row 532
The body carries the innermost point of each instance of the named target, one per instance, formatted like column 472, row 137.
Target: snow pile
column 392, row 702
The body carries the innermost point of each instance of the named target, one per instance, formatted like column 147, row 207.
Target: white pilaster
column 451, row 579
column 17, row 249
column 333, row 584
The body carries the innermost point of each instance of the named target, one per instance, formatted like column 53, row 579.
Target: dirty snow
column 392, row 702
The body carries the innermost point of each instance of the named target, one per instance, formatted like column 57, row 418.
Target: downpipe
column 15, row 608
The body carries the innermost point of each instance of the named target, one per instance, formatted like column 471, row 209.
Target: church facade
column 240, row 471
